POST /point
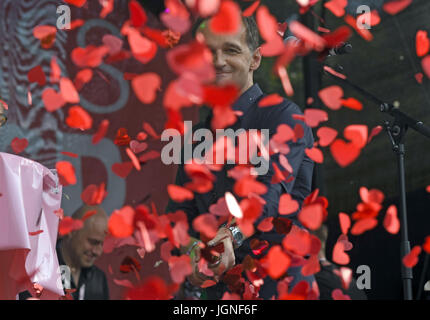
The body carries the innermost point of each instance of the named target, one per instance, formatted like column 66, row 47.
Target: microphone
column 343, row 48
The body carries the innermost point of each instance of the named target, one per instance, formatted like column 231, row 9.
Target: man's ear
column 256, row 59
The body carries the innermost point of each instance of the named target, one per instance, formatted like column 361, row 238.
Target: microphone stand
column 396, row 130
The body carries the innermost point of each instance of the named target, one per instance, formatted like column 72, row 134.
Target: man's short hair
column 251, row 28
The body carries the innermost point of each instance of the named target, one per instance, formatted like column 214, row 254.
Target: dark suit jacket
column 255, row 117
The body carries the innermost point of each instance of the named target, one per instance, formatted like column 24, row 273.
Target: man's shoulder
column 281, row 112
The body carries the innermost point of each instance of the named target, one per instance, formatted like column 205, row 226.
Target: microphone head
column 347, row 48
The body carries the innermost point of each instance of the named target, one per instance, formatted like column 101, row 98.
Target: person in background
column 327, row 279
column 77, row 251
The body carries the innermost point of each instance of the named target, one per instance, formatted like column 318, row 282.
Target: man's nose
column 218, row 59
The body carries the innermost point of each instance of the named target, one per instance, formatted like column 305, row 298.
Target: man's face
column 232, row 58
column 87, row 244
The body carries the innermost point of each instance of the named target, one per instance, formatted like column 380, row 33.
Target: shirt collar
column 247, row 98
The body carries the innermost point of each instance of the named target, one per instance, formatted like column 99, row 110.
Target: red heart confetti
column 68, row 91
column 37, row 75
column 19, row 145
column 337, row 294
column 425, row 64
column 265, row 225
column 88, row 214
column 411, row 259
column 52, row 99
column 66, row 173
column 180, row 267
column 344, row 153
column 391, row 221
column 121, row 222
column 332, row 97
column 357, row 134
column 78, row 118
column 422, row 43
column 46, row 35
column 137, row 14
column 227, row 20
column 337, row 7
column 326, row 136
column 91, row 56
column 82, row 77
column 426, row 245
column 276, row 262
column 395, row 6
column 145, row 86
column 339, row 255
column 68, row 224
column 251, row 9
column 133, row 159
column 122, row 170
column 178, row 193
column 206, row 224
column 94, row 194
column 270, row 100
column 345, row 222
column 352, row 103
column 363, row 225
column 375, row 131
column 35, row 233
column 311, row 216
column 101, row 131
column 315, row 154
column 313, row 117
column 77, row 3
column 311, row 266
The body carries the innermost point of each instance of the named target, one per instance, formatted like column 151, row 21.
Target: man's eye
column 232, row 51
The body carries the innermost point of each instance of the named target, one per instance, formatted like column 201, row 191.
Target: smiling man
column 79, row 250
column 235, row 58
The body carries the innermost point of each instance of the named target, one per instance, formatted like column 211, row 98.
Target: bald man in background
column 77, row 252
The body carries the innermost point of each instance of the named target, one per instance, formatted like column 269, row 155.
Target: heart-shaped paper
column 19, row 145
column 357, row 134
column 315, row 154
column 313, row 117
column 326, row 135
column 52, row 99
column 344, row 240
column 122, row 169
column 344, row 153
column 138, row 147
column 425, row 63
column 339, row 255
column 337, row 294
column 337, row 7
column 37, row 75
column 227, row 20
column 145, row 86
column 332, row 97
column 287, row 204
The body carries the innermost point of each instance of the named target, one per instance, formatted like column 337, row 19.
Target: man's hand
column 227, row 259
column 197, row 278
